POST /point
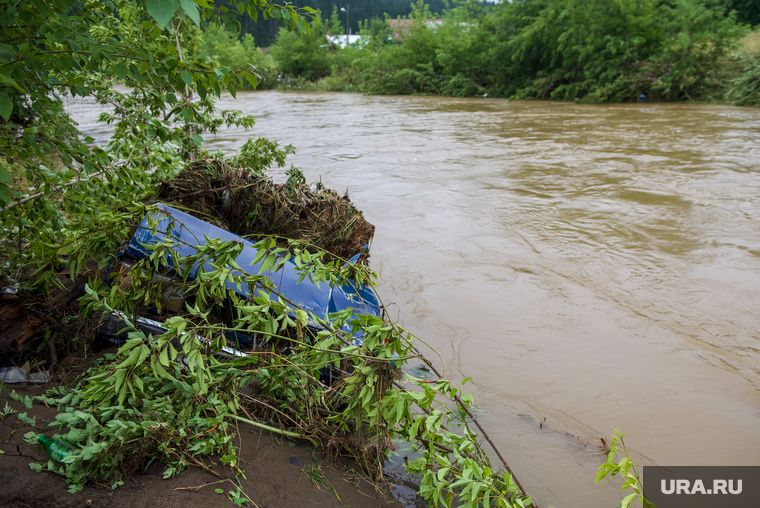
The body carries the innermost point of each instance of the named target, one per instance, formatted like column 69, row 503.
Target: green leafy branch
column 625, row 468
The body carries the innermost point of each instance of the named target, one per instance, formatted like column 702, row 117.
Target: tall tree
column 53, row 48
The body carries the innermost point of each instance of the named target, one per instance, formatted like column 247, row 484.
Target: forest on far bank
column 570, row 50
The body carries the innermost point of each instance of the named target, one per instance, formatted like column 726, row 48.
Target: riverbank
column 277, row 472
column 732, row 79
column 688, row 52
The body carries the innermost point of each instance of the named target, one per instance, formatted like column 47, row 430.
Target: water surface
column 590, row 266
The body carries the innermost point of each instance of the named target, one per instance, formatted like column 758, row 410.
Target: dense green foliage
column 266, row 31
column 305, row 56
column 745, row 88
column 747, row 11
column 613, row 51
column 238, row 53
column 58, row 180
column 600, row 51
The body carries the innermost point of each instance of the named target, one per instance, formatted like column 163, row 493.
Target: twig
column 461, row 404
column 201, row 193
column 53, row 354
column 201, row 464
column 276, row 430
column 199, row 487
column 45, row 316
column 54, row 189
column 267, row 405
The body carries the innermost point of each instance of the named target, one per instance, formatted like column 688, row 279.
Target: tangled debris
column 37, row 330
column 248, row 204
column 220, row 191
column 172, row 397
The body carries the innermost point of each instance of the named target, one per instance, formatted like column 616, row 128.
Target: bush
column 238, row 54
column 612, row 51
column 744, row 90
column 303, row 55
column 569, row 50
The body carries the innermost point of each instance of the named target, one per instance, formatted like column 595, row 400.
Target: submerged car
column 320, row 300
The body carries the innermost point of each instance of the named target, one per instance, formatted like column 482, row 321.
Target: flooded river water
column 591, row 266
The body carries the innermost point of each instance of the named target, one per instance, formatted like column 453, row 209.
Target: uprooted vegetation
column 252, row 205
column 173, row 398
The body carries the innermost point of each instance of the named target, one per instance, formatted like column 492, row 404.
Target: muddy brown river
column 591, row 266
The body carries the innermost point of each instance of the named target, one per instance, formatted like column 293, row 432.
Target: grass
column 752, row 41
column 319, row 479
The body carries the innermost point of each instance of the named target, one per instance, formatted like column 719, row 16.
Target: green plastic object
column 55, row 448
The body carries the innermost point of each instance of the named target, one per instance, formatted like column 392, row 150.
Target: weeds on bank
column 316, row 474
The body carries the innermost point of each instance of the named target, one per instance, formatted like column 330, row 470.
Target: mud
column 276, row 474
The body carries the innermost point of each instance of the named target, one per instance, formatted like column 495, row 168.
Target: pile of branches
column 252, row 205
column 175, row 389
column 174, row 397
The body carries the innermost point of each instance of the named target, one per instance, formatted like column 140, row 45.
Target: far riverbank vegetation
column 567, row 50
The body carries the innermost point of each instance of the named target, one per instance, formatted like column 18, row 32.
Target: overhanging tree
column 53, row 180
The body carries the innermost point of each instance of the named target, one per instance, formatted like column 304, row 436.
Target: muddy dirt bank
column 278, row 473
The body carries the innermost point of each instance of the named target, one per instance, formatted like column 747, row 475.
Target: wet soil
column 275, row 474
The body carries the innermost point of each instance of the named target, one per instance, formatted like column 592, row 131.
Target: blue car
column 321, row 301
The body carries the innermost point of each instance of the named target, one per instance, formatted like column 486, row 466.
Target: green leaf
column 4, row 175
column 162, row 10
column 30, row 421
column 186, row 77
column 219, row 491
column 7, row 51
column 5, row 193
column 121, row 70
column 6, row 78
column 6, row 106
column 302, row 316
column 627, row 500
column 251, row 79
column 624, row 464
column 268, row 263
column 35, row 467
column 197, row 139
column 191, row 9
